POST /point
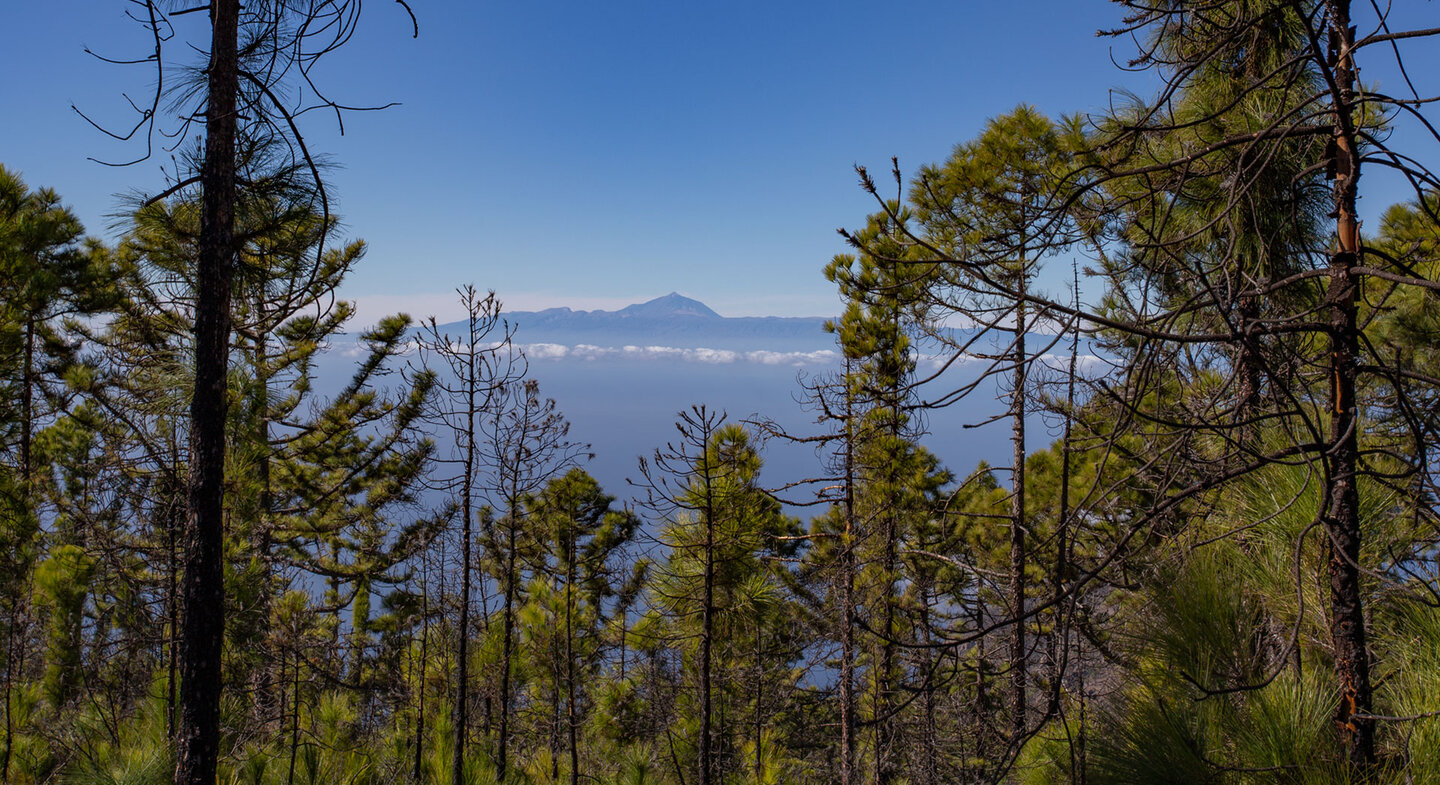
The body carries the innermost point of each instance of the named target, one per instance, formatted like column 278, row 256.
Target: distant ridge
column 680, row 322
column 671, row 305
column 672, row 320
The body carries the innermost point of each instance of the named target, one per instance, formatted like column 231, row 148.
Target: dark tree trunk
column 14, row 670
column 554, row 713
column 424, row 660
column 928, row 770
column 1017, row 520
column 707, row 629
column 462, row 678
column 266, row 710
column 847, row 598
column 571, row 719
column 27, row 415
column 27, row 407
column 294, row 716
column 980, row 727
column 203, row 589
column 501, row 761
column 467, row 500
column 9, row 720
column 1247, row 366
column 1342, row 517
column 172, row 601
column 886, row 770
column 759, row 718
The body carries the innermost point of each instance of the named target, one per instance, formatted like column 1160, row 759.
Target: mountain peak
column 672, row 304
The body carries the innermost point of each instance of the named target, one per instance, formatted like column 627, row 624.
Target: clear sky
column 596, row 154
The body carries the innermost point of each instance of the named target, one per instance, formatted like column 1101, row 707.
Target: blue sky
column 596, row 154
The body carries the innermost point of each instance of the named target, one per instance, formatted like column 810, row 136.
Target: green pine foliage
column 1157, row 590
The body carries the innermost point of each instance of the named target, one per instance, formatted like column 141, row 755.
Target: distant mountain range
column 621, row 376
column 675, row 327
column 673, row 321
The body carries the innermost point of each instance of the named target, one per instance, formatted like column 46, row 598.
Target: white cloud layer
column 1088, row 365
column 591, row 352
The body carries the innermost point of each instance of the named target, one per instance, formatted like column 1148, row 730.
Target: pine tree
column 479, row 366
column 582, row 540
column 873, row 333
column 719, row 528
column 525, row 444
column 46, row 274
column 989, row 206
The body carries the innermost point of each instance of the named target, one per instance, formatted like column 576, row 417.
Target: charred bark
column 197, row 736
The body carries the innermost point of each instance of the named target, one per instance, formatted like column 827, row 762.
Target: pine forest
column 1218, row 563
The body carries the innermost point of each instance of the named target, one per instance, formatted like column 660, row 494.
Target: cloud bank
column 1087, row 364
column 590, row 352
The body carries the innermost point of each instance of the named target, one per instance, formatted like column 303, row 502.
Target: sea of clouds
column 590, row 352
column 1087, row 364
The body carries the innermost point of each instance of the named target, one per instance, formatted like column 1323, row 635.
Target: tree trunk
column 424, row 659
column 1342, row 517
column 172, row 601
column 501, row 761
column 27, row 415
column 11, row 674
column 265, row 708
column 707, row 626
column 848, row 770
column 294, row 716
column 462, row 678
column 570, row 660
column 885, row 769
column 847, row 598
column 1017, row 519
column 980, row 727
column 203, row 587
column 759, row 699
column 27, row 408
column 928, row 767
column 554, row 716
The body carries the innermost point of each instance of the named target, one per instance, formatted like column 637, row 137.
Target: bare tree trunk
column 759, row 698
column 501, row 762
column 265, row 709
column 462, row 679
column 707, row 627
column 424, row 660
column 980, row 727
column 487, row 704
column 172, row 601
column 1247, row 366
column 1017, row 517
column 203, row 588
column 12, row 673
column 928, row 773
column 1342, row 518
column 26, row 471
column 554, row 717
column 571, row 719
column 847, row 597
column 294, row 716
column 9, row 720
column 27, row 408
column 470, row 365
column 885, row 769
